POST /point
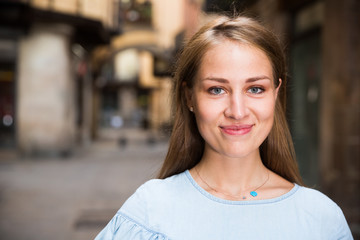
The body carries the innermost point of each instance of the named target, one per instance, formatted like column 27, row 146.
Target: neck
column 232, row 175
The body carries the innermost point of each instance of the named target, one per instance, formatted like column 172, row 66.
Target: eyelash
column 257, row 88
column 212, row 89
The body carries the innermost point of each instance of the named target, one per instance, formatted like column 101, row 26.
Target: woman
column 230, row 172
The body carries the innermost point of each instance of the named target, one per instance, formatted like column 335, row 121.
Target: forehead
column 235, row 61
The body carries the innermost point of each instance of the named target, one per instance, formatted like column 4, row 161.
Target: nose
column 237, row 107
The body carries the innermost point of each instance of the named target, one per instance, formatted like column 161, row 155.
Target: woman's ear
column 188, row 95
column 278, row 88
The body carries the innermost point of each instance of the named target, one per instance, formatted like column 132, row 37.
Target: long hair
column 186, row 145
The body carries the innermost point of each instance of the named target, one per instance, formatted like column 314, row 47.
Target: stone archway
column 145, row 42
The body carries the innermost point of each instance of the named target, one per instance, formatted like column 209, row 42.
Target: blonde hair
column 186, row 145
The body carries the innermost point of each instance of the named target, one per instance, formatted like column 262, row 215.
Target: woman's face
column 233, row 98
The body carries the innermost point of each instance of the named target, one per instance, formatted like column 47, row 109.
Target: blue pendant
column 253, row 193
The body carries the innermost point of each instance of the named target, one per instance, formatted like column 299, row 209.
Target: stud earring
column 191, row 109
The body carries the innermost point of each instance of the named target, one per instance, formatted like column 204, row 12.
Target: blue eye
column 256, row 90
column 216, row 91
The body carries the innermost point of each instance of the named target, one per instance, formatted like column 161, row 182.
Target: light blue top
column 177, row 208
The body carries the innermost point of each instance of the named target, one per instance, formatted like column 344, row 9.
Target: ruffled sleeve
column 123, row 227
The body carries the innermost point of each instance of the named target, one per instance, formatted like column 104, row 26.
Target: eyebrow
column 254, row 79
column 249, row 80
column 220, row 80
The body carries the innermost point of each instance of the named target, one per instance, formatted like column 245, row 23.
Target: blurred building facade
column 45, row 75
column 133, row 86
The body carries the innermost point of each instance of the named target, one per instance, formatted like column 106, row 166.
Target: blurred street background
column 85, row 102
column 73, row 198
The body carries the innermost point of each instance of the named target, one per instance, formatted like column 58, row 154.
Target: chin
column 237, row 155
column 238, row 152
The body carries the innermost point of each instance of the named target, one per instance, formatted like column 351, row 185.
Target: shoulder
column 315, row 201
column 316, row 205
column 152, row 197
column 155, row 189
column 313, row 197
column 135, row 219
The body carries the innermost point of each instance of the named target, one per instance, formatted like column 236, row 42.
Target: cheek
column 208, row 114
column 207, row 110
column 268, row 111
column 265, row 110
column 203, row 114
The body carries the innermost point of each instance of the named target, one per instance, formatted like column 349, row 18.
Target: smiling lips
column 237, row 129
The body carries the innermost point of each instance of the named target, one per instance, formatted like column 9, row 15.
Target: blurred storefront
column 133, row 79
column 45, row 72
column 7, row 92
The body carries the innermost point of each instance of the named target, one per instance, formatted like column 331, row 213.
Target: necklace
column 253, row 193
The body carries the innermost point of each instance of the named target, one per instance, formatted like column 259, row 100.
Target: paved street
column 72, row 198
